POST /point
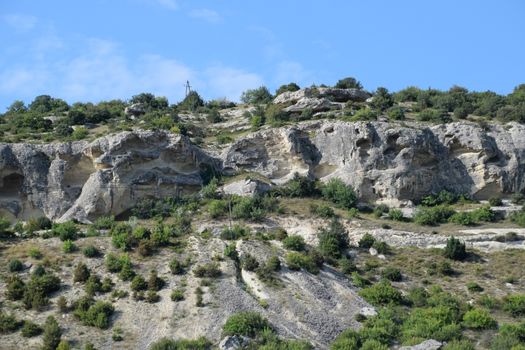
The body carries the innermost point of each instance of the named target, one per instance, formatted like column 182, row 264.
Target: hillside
column 315, row 218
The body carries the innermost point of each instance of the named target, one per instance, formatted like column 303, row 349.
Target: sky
column 93, row 50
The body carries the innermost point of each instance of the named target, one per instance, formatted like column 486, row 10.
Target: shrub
column 346, row 265
column 459, row 345
column 483, row 214
column 517, row 198
column 323, row 210
column 367, row 241
column 234, row 233
column 381, row 247
column 155, row 283
column 434, row 322
column 35, row 253
column 294, row 242
column 217, row 208
column 65, row 231
column 514, row 304
column 15, row 288
column 287, row 87
column 231, row 252
column 495, row 201
column 518, row 217
column 381, row 293
column 95, row 315
column 273, row 263
column 104, row 223
column 333, row 241
column 299, row 186
column 455, row 249
column 90, row 252
column 339, row 193
column 462, row 218
column 52, row 334
column 392, row 274
column 81, row 273
column 432, row 216
column 181, row 344
column 62, row 304
column 297, row 261
column 15, row 265
column 359, row 281
column 246, row 323
column 256, row 96
column 138, row 283
column 396, row 113
column 434, row 116
column 177, row 295
column 8, row 323
column 210, row 270
column 68, row 246
column 396, row 215
column 248, row 262
column 176, row 267
column 474, row 287
column 418, row 297
column 348, row 83
column 30, row 329
column 152, row 296
column 478, row 319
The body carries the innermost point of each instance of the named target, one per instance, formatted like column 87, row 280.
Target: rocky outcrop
column 390, row 162
column 80, row 180
column 332, row 94
column 248, row 187
column 385, row 162
column 430, row 344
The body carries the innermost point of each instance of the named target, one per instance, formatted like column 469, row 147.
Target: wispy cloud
column 19, row 22
column 230, row 82
column 207, row 15
column 169, row 4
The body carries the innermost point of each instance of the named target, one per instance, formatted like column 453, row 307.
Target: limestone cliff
column 383, row 161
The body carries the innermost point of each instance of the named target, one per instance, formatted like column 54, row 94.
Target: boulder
column 331, row 94
column 313, row 103
column 135, row 110
column 233, row 342
column 248, row 187
column 430, row 344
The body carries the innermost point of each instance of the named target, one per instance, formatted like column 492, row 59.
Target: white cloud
column 206, row 15
column 230, row 82
column 290, row 71
column 20, row 23
column 23, row 80
column 169, row 4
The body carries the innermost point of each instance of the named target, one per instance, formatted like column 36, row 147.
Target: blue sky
column 102, row 49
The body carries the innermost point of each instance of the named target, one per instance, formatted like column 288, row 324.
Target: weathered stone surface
column 247, row 187
column 81, row 180
column 135, row 110
column 430, row 344
column 332, row 94
column 313, row 103
column 233, row 342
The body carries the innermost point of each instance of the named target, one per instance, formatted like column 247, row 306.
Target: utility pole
column 188, row 87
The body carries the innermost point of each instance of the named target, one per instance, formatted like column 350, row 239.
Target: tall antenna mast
column 188, row 87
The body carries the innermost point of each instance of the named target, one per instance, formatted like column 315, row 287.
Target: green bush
column 234, row 233
column 209, row 270
column 181, row 344
column 91, row 251
column 514, row 304
column 8, row 323
column 177, row 295
column 81, row 273
column 434, row 116
column 294, row 242
column 459, row 345
column 396, row 215
column 381, row 247
column 287, row 87
column 438, row 323
column 176, row 267
column 248, row 262
column 52, row 334
column 69, row 247
column 30, row 329
column 474, row 287
column 257, row 96
column 323, row 211
column 418, row 297
column 392, row 274
column 155, row 283
column 348, row 83
column 433, row 215
column 336, row 191
column 138, row 283
column 495, row 201
column 15, row 288
column 65, row 231
column 483, row 214
column 462, row 218
column 443, row 197
column 333, row 241
column 381, row 293
column 299, row 186
column 478, row 319
column 95, row 314
column 15, row 265
column 367, row 241
column 104, row 222
column 245, row 323
column 396, row 113
column 455, row 249
column 518, row 217
column 217, row 208
column 231, row 252
column 297, row 261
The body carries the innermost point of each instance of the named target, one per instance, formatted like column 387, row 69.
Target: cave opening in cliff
column 11, row 186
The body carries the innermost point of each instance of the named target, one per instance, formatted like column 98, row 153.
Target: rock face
column 332, row 94
column 382, row 161
column 83, row 180
column 430, row 344
column 249, row 187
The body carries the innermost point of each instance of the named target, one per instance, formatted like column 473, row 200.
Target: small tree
column 256, row 96
column 81, row 273
column 349, row 83
column 455, row 249
column 52, row 334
